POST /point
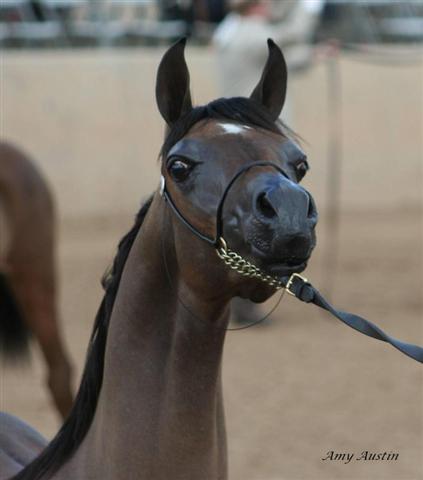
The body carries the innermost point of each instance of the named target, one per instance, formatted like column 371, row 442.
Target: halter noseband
column 232, row 259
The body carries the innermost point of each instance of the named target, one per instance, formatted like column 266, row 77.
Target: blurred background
column 77, row 95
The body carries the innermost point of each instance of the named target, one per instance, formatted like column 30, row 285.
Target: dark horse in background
column 28, row 296
column 150, row 403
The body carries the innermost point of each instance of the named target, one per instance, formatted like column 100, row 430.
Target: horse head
column 231, row 172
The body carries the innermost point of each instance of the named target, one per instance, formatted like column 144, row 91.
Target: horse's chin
column 256, row 292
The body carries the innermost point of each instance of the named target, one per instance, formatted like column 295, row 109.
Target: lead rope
column 240, row 265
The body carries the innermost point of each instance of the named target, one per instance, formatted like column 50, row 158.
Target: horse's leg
column 32, row 273
column 37, row 301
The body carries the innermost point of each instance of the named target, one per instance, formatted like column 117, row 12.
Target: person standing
column 240, row 41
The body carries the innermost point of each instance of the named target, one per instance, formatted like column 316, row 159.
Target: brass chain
column 234, row 261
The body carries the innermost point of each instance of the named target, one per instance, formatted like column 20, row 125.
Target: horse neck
column 160, row 411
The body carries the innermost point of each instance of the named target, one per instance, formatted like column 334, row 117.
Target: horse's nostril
column 311, row 208
column 264, row 206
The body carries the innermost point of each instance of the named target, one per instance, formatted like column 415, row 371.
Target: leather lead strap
column 305, row 292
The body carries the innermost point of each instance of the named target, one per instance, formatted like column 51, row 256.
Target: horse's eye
column 301, row 169
column 180, row 170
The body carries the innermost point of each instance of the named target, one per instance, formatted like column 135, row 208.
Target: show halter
column 296, row 285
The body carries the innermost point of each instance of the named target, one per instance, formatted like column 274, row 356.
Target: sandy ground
column 303, row 384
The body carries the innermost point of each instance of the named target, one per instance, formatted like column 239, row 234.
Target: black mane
column 67, row 440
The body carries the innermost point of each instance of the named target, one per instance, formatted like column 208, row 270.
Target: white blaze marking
column 233, row 128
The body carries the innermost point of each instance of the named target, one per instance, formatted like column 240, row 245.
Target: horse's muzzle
column 281, row 227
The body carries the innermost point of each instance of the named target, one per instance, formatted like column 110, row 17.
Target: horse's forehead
column 232, row 134
column 225, row 138
column 228, row 140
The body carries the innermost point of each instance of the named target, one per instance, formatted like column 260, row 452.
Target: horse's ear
column 271, row 89
column 172, row 85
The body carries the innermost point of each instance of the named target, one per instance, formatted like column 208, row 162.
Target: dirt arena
column 303, row 384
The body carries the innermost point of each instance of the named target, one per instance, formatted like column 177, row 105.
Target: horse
column 28, row 287
column 228, row 218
